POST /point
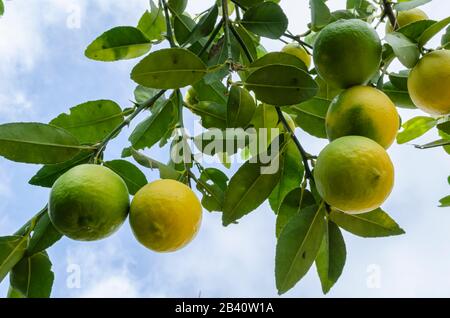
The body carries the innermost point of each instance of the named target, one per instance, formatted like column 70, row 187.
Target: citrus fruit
column 165, row 215
column 347, row 53
column 429, row 83
column 354, row 174
column 191, row 97
column 88, row 202
column 363, row 111
column 298, row 51
column 406, row 17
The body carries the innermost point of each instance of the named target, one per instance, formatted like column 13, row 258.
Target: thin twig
column 163, row 3
column 226, row 29
column 389, row 12
column 303, row 153
column 241, row 43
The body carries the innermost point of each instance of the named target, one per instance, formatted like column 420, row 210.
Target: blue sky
column 44, row 72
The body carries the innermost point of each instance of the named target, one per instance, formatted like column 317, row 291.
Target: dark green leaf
column 152, row 129
column 400, row 79
column 330, row 260
column 37, row 143
column 120, row 43
column 152, row 23
column 405, row 50
column 429, row 33
column 204, row 26
column 214, row 92
column 297, row 246
column 310, row 116
column 251, row 185
column 445, row 202
column 281, row 85
column 177, row 6
column 292, row 204
column 320, row 14
column 371, row 224
column 278, row 58
column 216, row 141
column 248, row 3
column 33, row 276
column 48, row 174
column 408, row 5
column 12, row 249
column 434, row 144
column 400, row 97
column 182, row 26
column 213, row 115
column 291, row 175
column 266, row 19
column 169, row 68
column 14, row 293
column 445, row 40
column 212, row 184
column 44, row 236
column 2, row 8
column 240, row 108
column 249, row 41
column 92, row 121
column 142, row 94
column 133, row 177
column 414, row 128
column 444, row 126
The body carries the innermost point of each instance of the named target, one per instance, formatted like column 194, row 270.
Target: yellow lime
column 407, row 17
column 298, row 51
column 354, row 174
column 363, row 111
column 429, row 83
column 88, row 202
column 165, row 215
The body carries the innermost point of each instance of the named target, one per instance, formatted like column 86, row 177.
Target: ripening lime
column 363, row 111
column 354, row 174
column 298, row 51
column 88, row 203
column 406, row 17
column 429, row 83
column 165, row 215
column 347, row 53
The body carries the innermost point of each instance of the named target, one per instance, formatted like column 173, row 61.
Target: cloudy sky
column 43, row 73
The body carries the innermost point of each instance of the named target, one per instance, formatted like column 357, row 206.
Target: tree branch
column 389, row 12
column 163, row 3
column 226, row 28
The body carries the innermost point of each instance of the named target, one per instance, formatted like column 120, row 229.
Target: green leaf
column 429, row 33
column 212, row 184
column 414, row 128
column 248, row 3
column 204, row 26
column 33, row 276
column 249, row 41
column 213, row 115
column 408, row 5
column 169, row 69
column 400, row 79
column 278, row 58
column 44, row 236
column 12, row 249
column 48, row 174
column 2, row 8
column 133, row 177
column 177, row 5
column 240, row 108
column 182, row 27
column 120, row 43
column 92, row 121
column 437, row 143
column 292, row 204
column 37, row 143
column 152, row 23
column 404, row 49
column 414, row 30
column 445, row 202
column 376, row 223
column 214, row 92
column 142, row 94
column 14, row 293
column 445, row 39
column 151, row 130
column 216, row 141
column 291, row 175
column 320, row 14
column 398, row 96
column 310, row 116
column 281, row 85
column 444, row 126
column 165, row 171
column 265, row 19
column 250, row 186
column 297, row 246
column 330, row 260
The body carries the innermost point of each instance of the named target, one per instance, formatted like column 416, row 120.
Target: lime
column 347, row 53
column 354, row 174
column 406, row 17
column 298, row 51
column 165, row 215
column 88, row 202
